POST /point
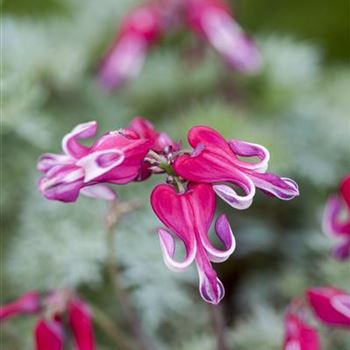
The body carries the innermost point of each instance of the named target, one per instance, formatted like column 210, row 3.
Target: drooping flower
column 188, row 217
column 138, row 31
column 114, row 158
column 298, row 334
column 330, row 305
column 54, row 308
column 212, row 20
column 217, row 161
column 29, row 303
column 336, row 225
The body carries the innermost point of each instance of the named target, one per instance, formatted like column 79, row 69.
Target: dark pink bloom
column 337, row 225
column 138, row 31
column 145, row 129
column 29, row 303
column 215, row 160
column 49, row 335
column 188, row 217
column 299, row 335
column 80, row 324
column 330, row 305
column 212, row 20
column 114, row 158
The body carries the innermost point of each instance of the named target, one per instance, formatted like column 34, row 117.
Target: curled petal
column 224, row 233
column 81, row 325
column 70, row 143
column 99, row 191
column 49, row 160
column 168, row 246
column 230, row 196
column 211, row 288
column 331, row 222
column 29, row 303
column 100, row 162
column 330, row 305
column 49, row 335
column 247, row 149
column 280, row 187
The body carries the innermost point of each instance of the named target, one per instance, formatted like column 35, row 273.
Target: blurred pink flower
column 188, row 217
column 337, row 225
column 298, row 334
column 212, row 20
column 330, row 305
column 28, row 303
column 138, row 31
column 115, row 158
column 217, row 161
column 53, row 309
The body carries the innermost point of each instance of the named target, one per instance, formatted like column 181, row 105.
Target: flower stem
column 117, row 210
column 218, row 325
column 111, row 329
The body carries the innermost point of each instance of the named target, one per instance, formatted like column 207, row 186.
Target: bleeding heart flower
column 217, row 161
column 29, row 303
column 138, row 31
column 299, row 335
column 212, row 20
column 49, row 335
column 330, row 305
column 337, row 225
column 188, row 217
column 116, row 158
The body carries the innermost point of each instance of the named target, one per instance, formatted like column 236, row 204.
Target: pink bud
column 330, row 305
column 49, row 335
column 81, row 325
column 29, row 303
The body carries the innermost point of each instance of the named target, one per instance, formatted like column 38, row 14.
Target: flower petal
column 29, row 303
column 224, row 233
column 49, row 335
column 99, row 191
column 342, row 250
column 230, row 196
column 342, row 304
column 81, row 325
column 49, row 160
column 345, row 190
column 247, row 149
column 280, row 187
column 168, row 246
column 100, row 162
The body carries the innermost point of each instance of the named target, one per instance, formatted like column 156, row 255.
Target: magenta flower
column 29, row 303
column 114, row 158
column 188, row 217
column 330, row 305
column 139, row 30
column 299, row 335
column 54, row 309
column 337, row 225
column 212, row 20
column 217, row 161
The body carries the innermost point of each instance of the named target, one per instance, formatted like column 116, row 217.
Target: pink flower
column 217, row 161
column 330, row 305
column 188, row 217
column 29, row 303
column 115, row 158
column 335, row 224
column 55, row 308
column 138, row 31
column 299, row 335
column 212, row 20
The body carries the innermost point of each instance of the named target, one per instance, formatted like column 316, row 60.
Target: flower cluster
column 186, row 203
column 61, row 314
column 211, row 20
column 330, row 306
column 338, row 225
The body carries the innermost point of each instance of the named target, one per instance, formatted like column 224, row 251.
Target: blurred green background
column 298, row 107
